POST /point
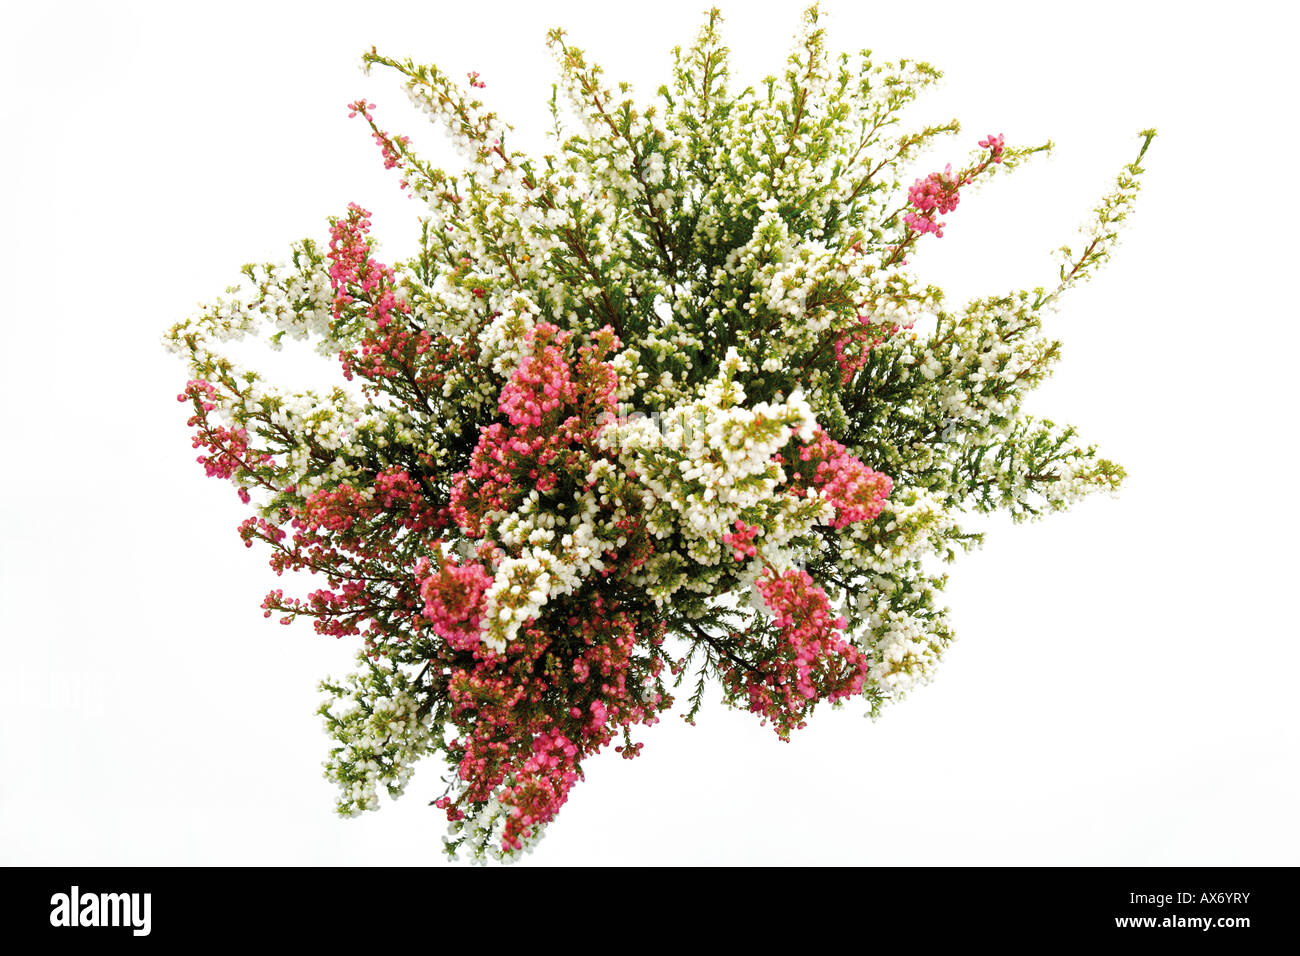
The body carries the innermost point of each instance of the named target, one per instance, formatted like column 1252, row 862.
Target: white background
column 1123, row 691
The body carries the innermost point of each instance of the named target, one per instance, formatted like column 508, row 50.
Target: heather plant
column 662, row 410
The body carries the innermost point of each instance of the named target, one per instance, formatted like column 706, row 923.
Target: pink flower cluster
column 857, row 492
column 517, row 747
column 541, row 787
column 541, row 384
column 337, row 530
column 853, row 348
column 392, row 350
column 554, row 413
column 812, row 636
column 349, row 253
column 227, row 455
column 996, row 144
column 741, row 540
column 936, row 193
column 351, row 270
column 226, row 447
column 810, row 661
column 453, row 601
column 389, row 145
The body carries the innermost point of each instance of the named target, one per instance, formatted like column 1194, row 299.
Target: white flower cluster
column 374, row 717
column 503, row 341
column 296, row 303
column 302, row 308
column 704, row 465
column 903, row 649
column 912, row 525
column 623, row 150
column 981, row 369
column 557, row 548
column 481, row 833
column 782, row 165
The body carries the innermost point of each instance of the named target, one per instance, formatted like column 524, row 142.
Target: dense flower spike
column 857, row 492
column 656, row 407
column 936, row 193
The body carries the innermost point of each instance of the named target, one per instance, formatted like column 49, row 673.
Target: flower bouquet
column 661, row 410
